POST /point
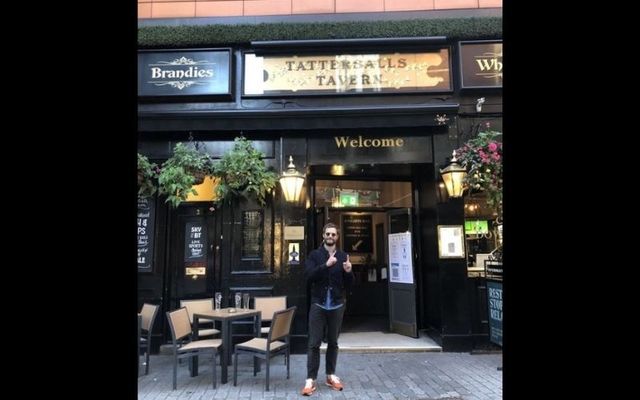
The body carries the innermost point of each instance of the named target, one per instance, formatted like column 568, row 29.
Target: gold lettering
column 341, row 141
column 388, row 143
column 347, row 141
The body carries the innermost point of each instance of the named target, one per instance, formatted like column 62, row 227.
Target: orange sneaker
column 310, row 386
column 334, row 382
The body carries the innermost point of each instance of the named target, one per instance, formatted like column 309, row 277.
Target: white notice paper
column 400, row 257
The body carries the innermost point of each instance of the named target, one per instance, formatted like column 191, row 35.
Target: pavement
column 385, row 375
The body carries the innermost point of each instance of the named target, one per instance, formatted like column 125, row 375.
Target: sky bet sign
column 184, row 73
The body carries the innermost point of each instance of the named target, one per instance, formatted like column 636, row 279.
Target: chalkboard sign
column 494, row 293
column 195, row 241
column 146, row 218
column 252, row 234
column 356, row 233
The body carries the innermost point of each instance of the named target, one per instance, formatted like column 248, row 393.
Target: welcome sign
column 184, row 73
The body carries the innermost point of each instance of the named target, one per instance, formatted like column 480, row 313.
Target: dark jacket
column 320, row 277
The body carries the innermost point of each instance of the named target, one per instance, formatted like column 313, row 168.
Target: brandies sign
column 184, row 73
column 347, row 73
column 481, row 64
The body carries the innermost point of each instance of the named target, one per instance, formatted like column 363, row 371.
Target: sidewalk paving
column 419, row 376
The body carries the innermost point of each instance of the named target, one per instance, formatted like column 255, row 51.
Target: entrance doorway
column 361, row 207
column 192, row 264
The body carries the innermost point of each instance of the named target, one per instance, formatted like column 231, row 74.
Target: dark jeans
column 319, row 319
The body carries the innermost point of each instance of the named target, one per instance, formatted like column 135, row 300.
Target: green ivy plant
column 147, row 175
column 243, row 174
column 186, row 167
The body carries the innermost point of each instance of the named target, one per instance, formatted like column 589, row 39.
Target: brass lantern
column 291, row 181
column 453, row 176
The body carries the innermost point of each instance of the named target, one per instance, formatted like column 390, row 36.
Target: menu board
column 195, row 241
column 357, row 233
column 252, row 234
column 146, row 218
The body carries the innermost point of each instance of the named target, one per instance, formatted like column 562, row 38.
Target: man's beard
column 333, row 242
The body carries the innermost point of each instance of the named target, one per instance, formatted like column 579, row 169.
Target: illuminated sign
column 476, row 227
column 349, row 199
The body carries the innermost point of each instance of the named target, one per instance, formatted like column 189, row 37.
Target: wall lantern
column 291, row 181
column 453, row 176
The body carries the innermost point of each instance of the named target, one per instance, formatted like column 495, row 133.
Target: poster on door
column 195, row 241
column 294, row 254
column 400, row 259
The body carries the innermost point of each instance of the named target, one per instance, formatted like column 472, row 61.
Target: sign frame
column 347, row 52
column 451, row 241
column 461, row 44
column 228, row 94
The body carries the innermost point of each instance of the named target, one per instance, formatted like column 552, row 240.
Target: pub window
column 252, row 234
column 252, row 239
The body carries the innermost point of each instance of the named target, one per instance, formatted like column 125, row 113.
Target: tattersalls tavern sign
column 347, row 73
column 481, row 64
column 184, row 73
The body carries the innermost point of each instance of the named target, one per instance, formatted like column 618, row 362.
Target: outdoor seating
column 199, row 305
column 148, row 317
column 180, row 331
column 276, row 343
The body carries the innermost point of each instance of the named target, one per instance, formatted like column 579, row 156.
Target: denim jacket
column 321, row 277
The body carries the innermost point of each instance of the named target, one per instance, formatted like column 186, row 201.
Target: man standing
column 328, row 272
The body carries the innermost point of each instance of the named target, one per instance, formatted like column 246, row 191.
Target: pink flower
column 493, row 146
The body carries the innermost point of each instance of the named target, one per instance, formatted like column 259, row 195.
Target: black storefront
column 386, row 112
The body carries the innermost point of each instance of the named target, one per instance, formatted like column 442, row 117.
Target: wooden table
column 225, row 317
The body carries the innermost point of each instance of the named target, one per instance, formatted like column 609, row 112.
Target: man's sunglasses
column 330, row 234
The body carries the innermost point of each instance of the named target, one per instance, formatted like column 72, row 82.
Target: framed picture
column 451, row 241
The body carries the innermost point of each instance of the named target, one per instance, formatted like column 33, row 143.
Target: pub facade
column 370, row 123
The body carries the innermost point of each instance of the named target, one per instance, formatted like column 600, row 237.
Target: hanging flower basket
column 482, row 156
column 188, row 166
column 198, row 176
column 244, row 174
column 147, row 177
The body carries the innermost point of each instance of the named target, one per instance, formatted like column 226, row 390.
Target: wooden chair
column 148, row 315
column 198, row 305
column 276, row 342
column 180, row 330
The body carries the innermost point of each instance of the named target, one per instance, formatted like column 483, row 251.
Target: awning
column 337, row 117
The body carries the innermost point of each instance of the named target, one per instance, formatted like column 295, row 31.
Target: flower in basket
column 482, row 156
